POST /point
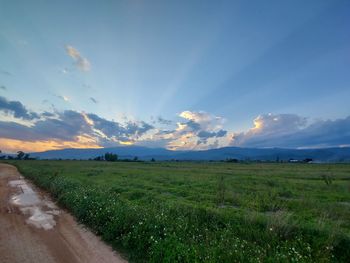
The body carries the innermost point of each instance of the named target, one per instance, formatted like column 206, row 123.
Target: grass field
column 207, row 212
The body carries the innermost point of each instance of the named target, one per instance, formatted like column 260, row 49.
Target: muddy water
column 41, row 213
column 34, row 230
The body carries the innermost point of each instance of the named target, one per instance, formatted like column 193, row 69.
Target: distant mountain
column 143, row 153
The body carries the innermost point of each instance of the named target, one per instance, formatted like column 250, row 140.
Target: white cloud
column 278, row 123
column 199, row 130
column 81, row 62
column 64, row 71
column 63, row 97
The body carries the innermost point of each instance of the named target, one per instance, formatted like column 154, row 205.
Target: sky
column 183, row 75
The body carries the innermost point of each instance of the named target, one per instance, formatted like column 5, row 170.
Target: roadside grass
column 207, row 212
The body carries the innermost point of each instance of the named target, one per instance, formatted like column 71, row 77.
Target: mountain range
column 336, row 154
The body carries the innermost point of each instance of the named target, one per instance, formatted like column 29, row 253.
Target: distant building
column 293, row 161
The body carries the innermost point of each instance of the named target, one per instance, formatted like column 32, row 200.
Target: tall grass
column 156, row 231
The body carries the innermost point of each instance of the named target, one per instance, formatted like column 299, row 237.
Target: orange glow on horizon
column 12, row 146
column 126, row 143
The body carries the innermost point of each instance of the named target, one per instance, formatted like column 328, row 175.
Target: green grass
column 207, row 212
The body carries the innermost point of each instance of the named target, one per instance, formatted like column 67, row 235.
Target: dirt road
column 34, row 229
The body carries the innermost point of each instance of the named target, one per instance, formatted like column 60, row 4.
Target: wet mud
column 34, row 229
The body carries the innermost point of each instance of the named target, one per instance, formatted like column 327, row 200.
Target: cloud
column 163, row 121
column 113, row 131
column 66, row 127
column 64, row 71
column 322, row 133
column 62, row 97
column 69, row 127
column 278, row 123
column 137, row 129
column 293, row 131
column 87, row 86
column 93, row 100
column 200, row 130
column 4, row 72
column 81, row 62
column 195, row 130
column 47, row 114
column 206, row 134
column 3, row 87
column 17, row 109
column 205, row 120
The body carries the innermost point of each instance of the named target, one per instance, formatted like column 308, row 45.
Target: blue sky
column 222, row 64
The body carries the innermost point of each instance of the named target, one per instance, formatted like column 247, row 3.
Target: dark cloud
column 13, row 130
column 207, row 134
column 109, row 128
column 17, row 109
column 4, row 72
column 165, row 132
column 194, row 126
column 163, row 121
column 47, row 114
column 93, row 100
column 3, row 87
column 137, row 128
column 321, row 133
column 221, row 133
column 67, row 126
column 117, row 130
column 292, row 131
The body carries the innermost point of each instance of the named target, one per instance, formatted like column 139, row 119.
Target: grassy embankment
column 207, row 212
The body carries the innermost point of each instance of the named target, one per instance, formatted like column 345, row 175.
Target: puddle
column 41, row 212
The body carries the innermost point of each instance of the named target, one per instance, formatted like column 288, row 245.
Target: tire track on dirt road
column 25, row 236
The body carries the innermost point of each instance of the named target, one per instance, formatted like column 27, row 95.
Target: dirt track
column 21, row 240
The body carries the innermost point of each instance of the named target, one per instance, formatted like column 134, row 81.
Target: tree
column 153, row 160
column 98, row 158
column 136, row 159
column 111, row 157
column 20, row 155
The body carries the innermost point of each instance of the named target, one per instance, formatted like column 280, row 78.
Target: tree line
column 20, row 156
